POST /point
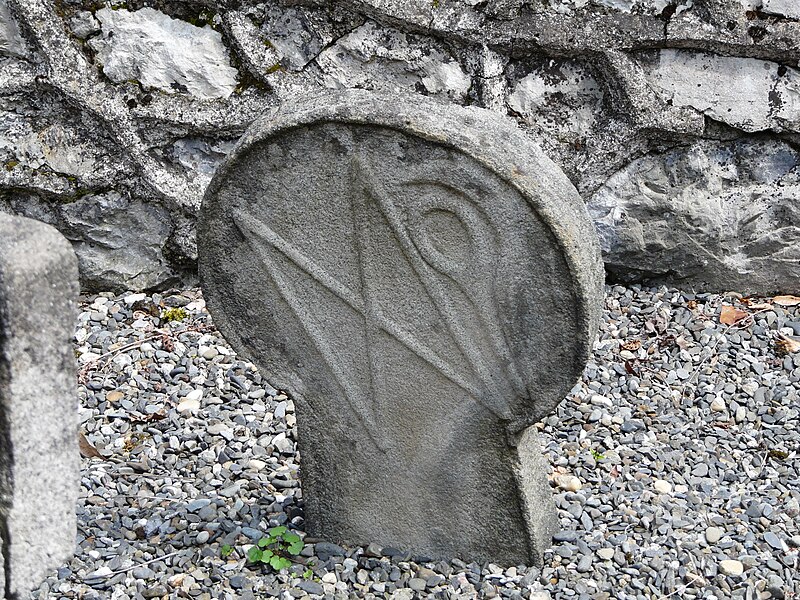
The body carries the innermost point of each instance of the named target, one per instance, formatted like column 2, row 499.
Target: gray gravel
column 683, row 437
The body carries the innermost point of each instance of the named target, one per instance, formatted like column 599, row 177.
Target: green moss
column 11, row 164
column 174, row 314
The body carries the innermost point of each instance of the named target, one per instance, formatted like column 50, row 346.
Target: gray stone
column 783, row 8
column 747, row 93
column 325, row 550
column 312, row 587
column 426, row 284
column 295, row 34
column 11, row 42
column 558, row 99
column 163, row 53
column 373, row 58
column 773, row 540
column 84, row 24
column 39, row 466
column 715, row 216
column 119, row 242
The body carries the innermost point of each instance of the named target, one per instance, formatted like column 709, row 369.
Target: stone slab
column 39, row 462
column 426, row 284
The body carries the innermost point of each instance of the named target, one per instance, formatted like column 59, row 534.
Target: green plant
column 276, row 549
column 174, row 314
column 226, row 551
column 597, row 456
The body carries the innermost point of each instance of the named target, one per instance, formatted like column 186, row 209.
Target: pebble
column 605, row 553
column 773, row 540
column 713, row 534
column 565, row 536
column 662, row 487
column 188, row 405
column 652, row 461
column 312, row 587
column 417, row 584
column 731, row 567
column 569, row 483
column 584, row 564
column 143, row 573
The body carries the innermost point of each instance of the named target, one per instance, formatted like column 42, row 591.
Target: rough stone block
column 720, row 215
column 39, row 462
column 427, row 285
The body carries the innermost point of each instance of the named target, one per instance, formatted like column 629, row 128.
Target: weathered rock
column 782, row 8
column 200, row 157
column 26, row 144
column 164, row 53
column 713, row 216
column 11, row 42
column 39, row 466
column 373, row 58
column 294, row 36
column 558, row 98
column 119, row 242
column 746, row 93
column 84, row 24
column 426, row 284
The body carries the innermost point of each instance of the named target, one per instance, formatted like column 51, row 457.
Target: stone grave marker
column 39, row 461
column 426, row 284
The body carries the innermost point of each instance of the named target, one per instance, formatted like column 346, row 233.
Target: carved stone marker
column 426, row 284
column 39, row 462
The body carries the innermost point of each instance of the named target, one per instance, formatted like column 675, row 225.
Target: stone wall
column 677, row 120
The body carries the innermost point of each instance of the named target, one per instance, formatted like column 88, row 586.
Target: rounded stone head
column 426, row 284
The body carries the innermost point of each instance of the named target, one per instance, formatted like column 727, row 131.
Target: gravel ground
column 675, row 465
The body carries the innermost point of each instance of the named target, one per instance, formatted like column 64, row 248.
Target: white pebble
column 569, row 483
column 101, row 572
column 189, row 405
column 713, row 534
column 662, row 486
column 718, row 404
column 731, row 567
column 605, row 553
column 194, row 395
column 209, row 352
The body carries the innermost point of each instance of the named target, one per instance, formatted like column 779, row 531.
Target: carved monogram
column 459, row 284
